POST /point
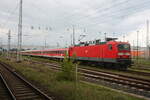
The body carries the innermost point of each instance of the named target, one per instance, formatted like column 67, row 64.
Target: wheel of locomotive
column 94, row 64
column 108, row 65
column 114, row 66
column 122, row 67
column 100, row 64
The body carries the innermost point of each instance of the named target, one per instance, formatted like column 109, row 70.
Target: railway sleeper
column 25, row 94
column 20, row 92
column 33, row 97
column 123, row 82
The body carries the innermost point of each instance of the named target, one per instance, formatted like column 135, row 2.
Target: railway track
column 130, row 71
column 143, row 68
column 139, row 72
column 130, row 84
column 20, row 88
column 5, row 94
column 122, row 82
column 120, row 79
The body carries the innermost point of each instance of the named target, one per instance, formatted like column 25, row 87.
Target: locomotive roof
column 117, row 42
column 101, row 43
column 61, row 49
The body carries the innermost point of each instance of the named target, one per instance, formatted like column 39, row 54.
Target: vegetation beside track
column 65, row 90
column 141, row 64
column 68, row 70
column 43, row 60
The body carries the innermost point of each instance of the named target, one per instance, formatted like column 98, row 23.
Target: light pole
column 73, row 35
column 147, row 41
column 19, row 33
column 57, row 45
column 1, row 44
column 9, row 37
column 105, row 36
column 61, row 37
column 99, row 33
column 133, row 49
column 137, row 46
column 45, row 44
column 114, row 34
column 123, row 38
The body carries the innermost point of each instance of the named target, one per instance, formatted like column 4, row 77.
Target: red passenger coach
column 57, row 53
column 54, row 53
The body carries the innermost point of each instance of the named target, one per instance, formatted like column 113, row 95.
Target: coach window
column 110, row 47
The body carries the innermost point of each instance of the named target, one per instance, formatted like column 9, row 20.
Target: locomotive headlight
column 120, row 54
column 127, row 54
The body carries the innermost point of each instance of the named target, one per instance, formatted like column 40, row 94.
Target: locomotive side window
column 110, row 47
column 123, row 47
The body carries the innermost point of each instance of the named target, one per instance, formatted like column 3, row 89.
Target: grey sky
column 96, row 17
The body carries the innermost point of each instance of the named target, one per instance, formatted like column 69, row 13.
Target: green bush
column 67, row 69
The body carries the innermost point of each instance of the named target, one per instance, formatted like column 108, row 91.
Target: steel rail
column 25, row 84
column 112, row 77
column 7, row 87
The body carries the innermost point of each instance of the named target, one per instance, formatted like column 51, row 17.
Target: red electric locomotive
column 110, row 53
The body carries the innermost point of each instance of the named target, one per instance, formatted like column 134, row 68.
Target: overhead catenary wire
column 45, row 13
column 117, row 18
column 110, row 17
column 98, row 9
column 105, row 18
column 105, row 15
column 113, row 14
column 101, row 9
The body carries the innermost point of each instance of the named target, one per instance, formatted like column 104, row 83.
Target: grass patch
column 68, row 69
column 135, row 67
column 66, row 89
column 141, row 65
column 44, row 60
column 142, row 62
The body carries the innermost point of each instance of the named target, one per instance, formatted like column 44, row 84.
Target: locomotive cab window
column 110, row 47
column 123, row 47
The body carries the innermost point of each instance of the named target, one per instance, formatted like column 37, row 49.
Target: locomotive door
column 110, row 51
column 101, row 56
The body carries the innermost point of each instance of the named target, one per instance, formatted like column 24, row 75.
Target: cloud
column 96, row 16
column 134, row 23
